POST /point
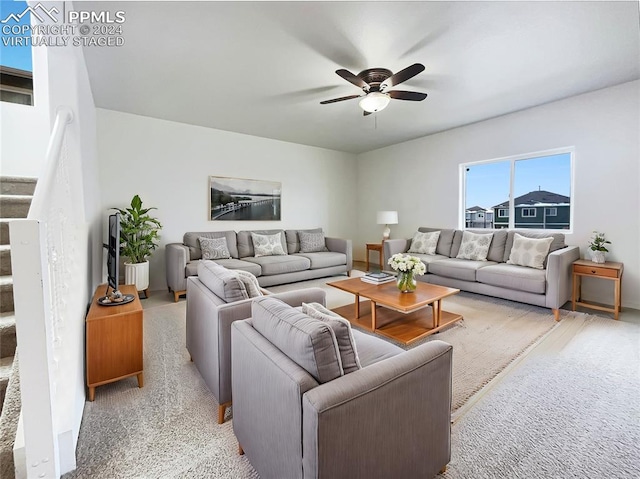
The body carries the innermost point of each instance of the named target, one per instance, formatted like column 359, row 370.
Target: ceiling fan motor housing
column 374, row 77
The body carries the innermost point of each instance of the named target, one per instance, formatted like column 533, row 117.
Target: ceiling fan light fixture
column 374, row 101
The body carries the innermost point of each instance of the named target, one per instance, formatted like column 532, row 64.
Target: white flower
column 407, row 263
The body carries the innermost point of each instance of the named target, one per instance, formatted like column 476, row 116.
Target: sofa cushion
column 444, row 241
column 424, row 243
column 311, row 242
column 474, row 246
column 372, row 349
column 325, row 259
column 232, row 263
column 529, row 252
column 513, row 277
column 342, row 329
column 214, row 248
column 281, row 264
column 191, row 241
column 427, row 259
column 267, row 245
column 308, row 342
column 464, row 269
column 245, row 243
column 250, row 282
column 556, row 244
column 293, row 241
column 221, row 281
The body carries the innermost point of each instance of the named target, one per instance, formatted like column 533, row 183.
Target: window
column 525, row 191
column 16, row 79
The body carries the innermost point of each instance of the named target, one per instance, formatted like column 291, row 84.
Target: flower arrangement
column 407, row 264
column 598, row 242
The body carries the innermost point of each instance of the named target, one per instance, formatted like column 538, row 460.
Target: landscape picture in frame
column 239, row 199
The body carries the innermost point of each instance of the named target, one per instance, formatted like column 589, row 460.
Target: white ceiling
column 262, row 68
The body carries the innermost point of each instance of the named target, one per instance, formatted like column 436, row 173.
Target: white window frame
column 548, row 212
column 501, row 214
column 528, row 156
column 528, row 210
column 21, row 91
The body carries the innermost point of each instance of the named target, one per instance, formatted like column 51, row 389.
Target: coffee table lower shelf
column 405, row 328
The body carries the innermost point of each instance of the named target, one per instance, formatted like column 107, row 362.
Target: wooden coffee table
column 404, row 317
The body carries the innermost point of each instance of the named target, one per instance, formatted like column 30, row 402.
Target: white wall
column 168, row 164
column 420, row 178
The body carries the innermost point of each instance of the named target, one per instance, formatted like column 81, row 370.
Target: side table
column 608, row 270
column 114, row 340
column 374, row 247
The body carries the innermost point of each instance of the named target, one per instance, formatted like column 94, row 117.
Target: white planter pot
column 597, row 256
column 138, row 274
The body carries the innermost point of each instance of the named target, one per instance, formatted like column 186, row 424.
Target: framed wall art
column 239, row 199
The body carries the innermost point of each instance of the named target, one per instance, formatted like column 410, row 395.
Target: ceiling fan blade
column 351, row 78
column 402, row 75
column 342, row 98
column 407, row 95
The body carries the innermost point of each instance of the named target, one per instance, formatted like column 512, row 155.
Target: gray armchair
column 389, row 419
column 208, row 333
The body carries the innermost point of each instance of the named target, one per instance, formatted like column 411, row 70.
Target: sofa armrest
column 559, row 276
column 177, row 257
column 339, row 245
column 394, row 246
column 404, row 401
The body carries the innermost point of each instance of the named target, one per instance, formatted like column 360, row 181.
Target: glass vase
column 406, row 282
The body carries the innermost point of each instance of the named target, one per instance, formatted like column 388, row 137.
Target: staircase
column 15, row 199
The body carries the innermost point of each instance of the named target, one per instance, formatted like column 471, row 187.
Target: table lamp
column 387, row 218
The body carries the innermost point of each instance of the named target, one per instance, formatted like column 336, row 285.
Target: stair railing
column 42, row 248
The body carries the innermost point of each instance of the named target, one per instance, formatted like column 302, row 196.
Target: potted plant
column 597, row 247
column 138, row 239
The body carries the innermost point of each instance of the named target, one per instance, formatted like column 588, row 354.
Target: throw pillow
column 311, row 242
column 474, row 246
column 424, row 243
column 214, row 248
column 267, row 245
column 342, row 329
column 529, row 252
column 250, row 282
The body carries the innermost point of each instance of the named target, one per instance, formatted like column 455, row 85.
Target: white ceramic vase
column 138, row 274
column 597, row 256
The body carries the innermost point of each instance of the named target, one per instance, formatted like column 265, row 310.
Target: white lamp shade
column 387, row 218
column 374, row 101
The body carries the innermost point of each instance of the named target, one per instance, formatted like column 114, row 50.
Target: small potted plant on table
column 138, row 239
column 597, row 247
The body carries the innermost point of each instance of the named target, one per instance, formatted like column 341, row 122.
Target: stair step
column 6, row 294
column 4, row 230
column 15, row 206
column 13, row 185
column 5, row 373
column 8, row 341
column 5, row 260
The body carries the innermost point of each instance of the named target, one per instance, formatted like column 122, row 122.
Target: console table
column 608, row 270
column 375, row 247
column 114, row 340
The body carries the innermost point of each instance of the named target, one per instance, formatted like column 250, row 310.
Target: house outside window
column 525, row 191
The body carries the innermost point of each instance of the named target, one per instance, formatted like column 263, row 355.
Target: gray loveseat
column 549, row 287
column 182, row 258
column 391, row 418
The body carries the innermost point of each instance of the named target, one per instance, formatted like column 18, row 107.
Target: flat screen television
column 113, row 253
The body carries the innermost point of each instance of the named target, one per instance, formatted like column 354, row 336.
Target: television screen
column 113, row 251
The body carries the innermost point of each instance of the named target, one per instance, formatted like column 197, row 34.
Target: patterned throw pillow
column 474, row 246
column 250, row 282
column 311, row 242
column 267, row 245
column 529, row 252
column 342, row 330
column 214, row 248
column 424, row 243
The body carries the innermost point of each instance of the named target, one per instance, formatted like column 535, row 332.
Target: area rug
column 570, row 412
column 493, row 333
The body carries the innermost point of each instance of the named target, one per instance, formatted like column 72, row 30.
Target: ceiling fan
column 375, row 83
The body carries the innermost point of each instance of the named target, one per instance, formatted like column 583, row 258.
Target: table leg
column 381, row 268
column 576, row 287
column 373, row 316
column 92, row 393
column 434, row 313
column 367, row 267
column 140, row 379
column 616, row 295
column 439, row 310
column 357, row 306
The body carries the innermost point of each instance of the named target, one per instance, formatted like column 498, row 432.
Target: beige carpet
column 493, row 333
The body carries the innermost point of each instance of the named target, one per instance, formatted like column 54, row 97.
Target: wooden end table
column 374, row 247
column 608, row 270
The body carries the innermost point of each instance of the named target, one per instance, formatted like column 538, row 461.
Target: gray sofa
column 549, row 287
column 212, row 305
column 182, row 258
column 391, row 418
